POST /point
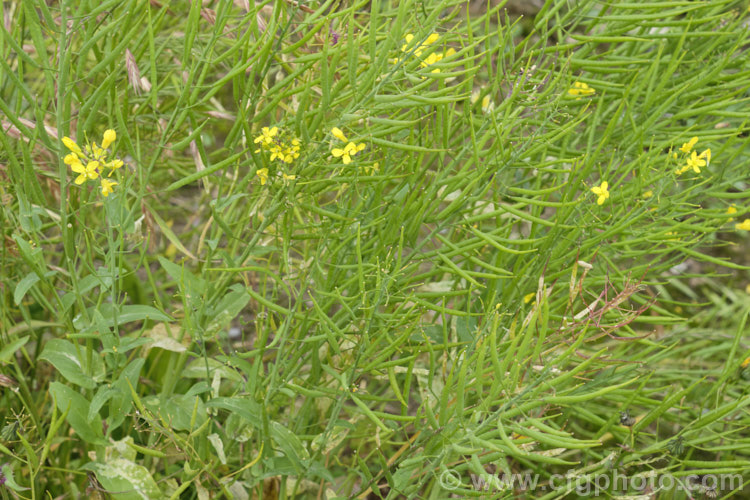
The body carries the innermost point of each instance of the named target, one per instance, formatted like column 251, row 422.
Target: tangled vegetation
column 374, row 249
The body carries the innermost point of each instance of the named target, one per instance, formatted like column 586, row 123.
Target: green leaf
column 67, row 359
column 120, row 402
column 218, row 445
column 289, row 443
column 10, row 481
column 229, row 308
column 130, row 480
column 192, row 286
column 10, row 349
column 24, row 286
column 125, row 314
column 197, row 369
column 170, row 234
column 247, row 409
column 178, row 410
column 78, row 408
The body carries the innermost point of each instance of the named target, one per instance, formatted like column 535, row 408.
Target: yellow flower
column 527, row 298
column 71, row 145
column 275, row 152
column 291, row 153
column 695, row 162
column 349, row 150
column 90, row 171
column 97, row 152
column 687, row 147
column 418, row 50
column 109, row 138
column 436, row 57
column 338, row 134
column 581, row 88
column 90, row 161
column 288, row 177
column 648, row 194
column 707, row 155
column 262, row 174
column 744, row 226
column 71, row 158
column 113, row 165
column 266, row 136
column 731, row 210
column 601, row 191
column 280, row 150
column 107, row 187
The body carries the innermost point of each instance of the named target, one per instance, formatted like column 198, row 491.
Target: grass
column 451, row 305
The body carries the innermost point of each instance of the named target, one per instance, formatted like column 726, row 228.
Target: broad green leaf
column 229, row 308
column 247, row 409
column 289, row 443
column 70, row 362
column 130, row 480
column 177, row 410
column 78, row 406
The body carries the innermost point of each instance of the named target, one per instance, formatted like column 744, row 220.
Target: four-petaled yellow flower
column 349, row 150
column 687, row 147
column 696, row 162
column 743, row 226
column 90, row 161
column 89, row 171
column 266, row 136
column 581, row 88
column 107, row 186
column 601, row 191
column 262, row 174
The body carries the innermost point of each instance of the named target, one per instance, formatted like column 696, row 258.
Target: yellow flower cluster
column 90, row 162
column 581, row 89
column 431, row 59
column 269, row 140
column 349, row 150
column 281, row 150
column 694, row 160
